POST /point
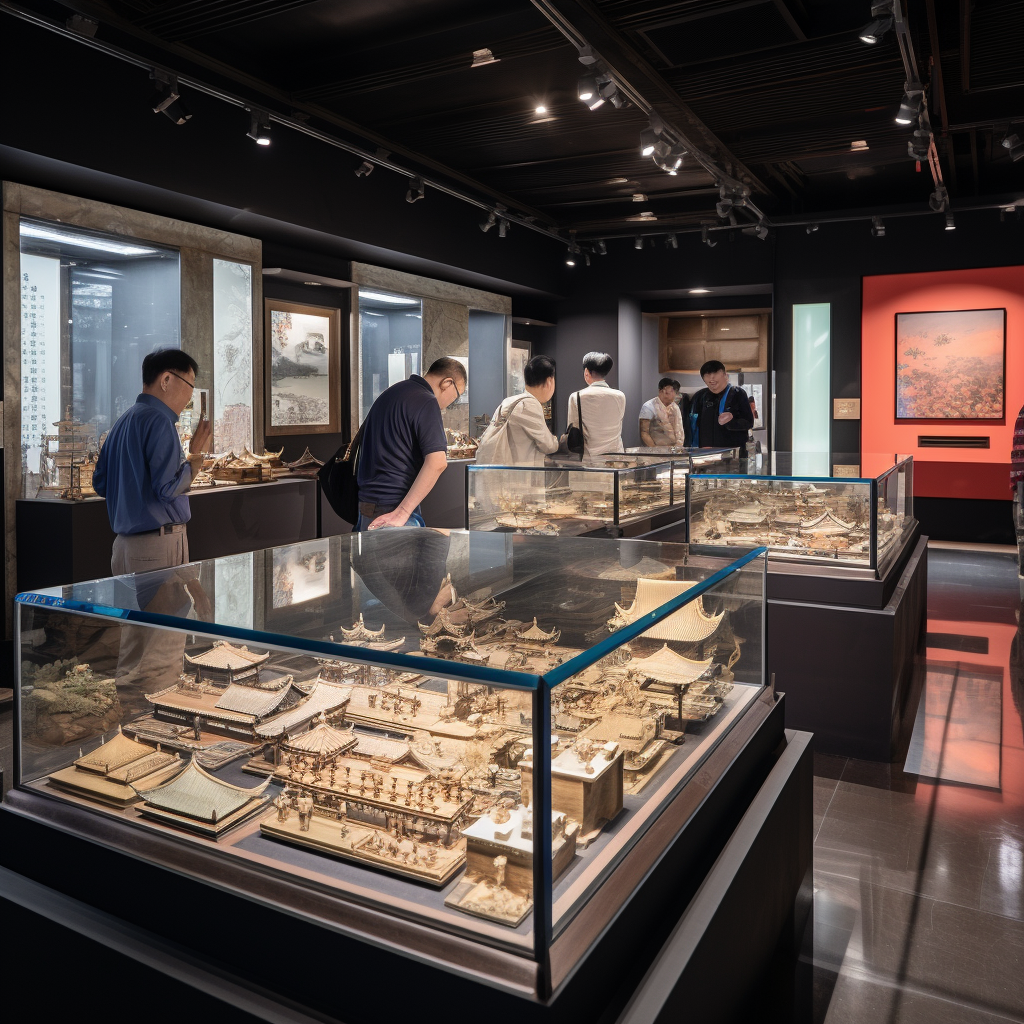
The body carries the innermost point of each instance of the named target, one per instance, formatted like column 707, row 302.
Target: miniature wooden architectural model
column 199, row 802
column 689, row 624
column 109, row 772
column 224, row 663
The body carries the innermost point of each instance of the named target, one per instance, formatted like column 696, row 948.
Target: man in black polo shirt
column 719, row 415
column 404, row 450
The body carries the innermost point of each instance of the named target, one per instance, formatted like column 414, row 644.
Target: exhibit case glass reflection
column 684, row 459
column 566, row 496
column 791, row 503
column 385, row 719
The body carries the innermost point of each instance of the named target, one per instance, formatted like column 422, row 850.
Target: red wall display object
column 941, row 472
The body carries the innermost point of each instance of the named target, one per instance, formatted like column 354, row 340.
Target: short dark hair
column 598, row 363
column 712, row 366
column 165, row 359
column 447, row 367
column 668, row 382
column 538, row 370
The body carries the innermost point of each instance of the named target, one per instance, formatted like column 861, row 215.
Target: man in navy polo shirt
column 404, row 450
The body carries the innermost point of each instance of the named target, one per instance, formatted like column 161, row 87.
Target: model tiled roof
column 323, row 740
column 114, row 754
column 324, row 697
column 227, row 657
column 535, row 633
column 380, row 746
column 247, row 700
column 668, row 667
column 196, row 794
column 688, row 625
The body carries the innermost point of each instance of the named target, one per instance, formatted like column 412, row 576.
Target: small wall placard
column 846, row 470
column 846, row 408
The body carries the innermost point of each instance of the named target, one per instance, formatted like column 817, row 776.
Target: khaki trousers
column 148, row 657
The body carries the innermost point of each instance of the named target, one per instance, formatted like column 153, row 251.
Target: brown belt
column 164, row 530
column 368, row 508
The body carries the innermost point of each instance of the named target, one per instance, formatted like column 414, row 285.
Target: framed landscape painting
column 951, row 365
column 302, row 368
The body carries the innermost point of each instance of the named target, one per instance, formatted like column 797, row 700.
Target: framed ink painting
column 302, row 368
column 951, row 365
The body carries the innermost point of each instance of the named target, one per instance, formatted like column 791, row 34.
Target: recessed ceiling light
column 313, row 284
column 639, row 197
column 83, row 241
column 699, row 291
column 402, row 300
column 725, row 328
column 483, row 56
column 540, row 110
column 859, row 145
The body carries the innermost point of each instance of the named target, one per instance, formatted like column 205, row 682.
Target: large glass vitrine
column 470, row 732
column 791, row 503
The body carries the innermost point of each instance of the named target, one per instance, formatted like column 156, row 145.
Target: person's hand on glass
column 395, row 518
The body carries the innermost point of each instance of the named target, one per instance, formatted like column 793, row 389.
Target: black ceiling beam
column 583, row 25
column 447, row 179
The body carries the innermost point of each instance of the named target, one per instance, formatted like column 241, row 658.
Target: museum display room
column 724, row 733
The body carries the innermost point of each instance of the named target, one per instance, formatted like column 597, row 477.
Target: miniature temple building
column 315, row 748
column 443, row 626
column 498, row 884
column 639, row 738
column 586, row 784
column 671, row 673
column 360, row 631
column 224, row 664
column 690, row 624
column 247, row 713
column 306, row 464
column 395, row 817
column 108, row 773
column 535, row 635
column 199, row 802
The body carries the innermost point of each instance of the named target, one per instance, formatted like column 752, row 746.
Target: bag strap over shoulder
column 579, row 409
column 352, row 448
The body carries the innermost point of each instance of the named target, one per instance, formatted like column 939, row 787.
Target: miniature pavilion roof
column 324, row 697
column 196, row 794
column 382, row 747
column 688, row 625
column 307, row 458
column 668, row 667
column 827, row 518
column 360, row 631
column 322, row 740
column 534, row 632
column 227, row 657
column 115, row 753
column 247, row 700
column 443, row 624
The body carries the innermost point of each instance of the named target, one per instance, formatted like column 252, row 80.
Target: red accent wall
column 940, row 472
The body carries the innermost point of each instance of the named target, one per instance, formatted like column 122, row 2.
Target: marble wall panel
column 429, row 288
column 446, row 333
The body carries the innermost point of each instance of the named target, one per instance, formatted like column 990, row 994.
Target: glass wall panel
column 232, row 356
column 488, row 356
column 390, row 343
column 93, row 307
column 812, row 368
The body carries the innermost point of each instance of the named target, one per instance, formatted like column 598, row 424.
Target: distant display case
column 684, row 459
column 383, row 720
column 791, row 504
column 568, row 497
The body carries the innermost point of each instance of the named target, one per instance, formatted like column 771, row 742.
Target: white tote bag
column 494, row 448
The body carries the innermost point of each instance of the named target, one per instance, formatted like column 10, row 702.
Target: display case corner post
column 873, row 525
column 259, row 435
column 542, row 869
column 11, row 392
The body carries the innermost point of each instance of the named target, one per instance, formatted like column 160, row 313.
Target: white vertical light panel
column 812, row 367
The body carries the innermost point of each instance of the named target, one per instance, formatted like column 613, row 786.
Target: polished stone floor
column 919, row 899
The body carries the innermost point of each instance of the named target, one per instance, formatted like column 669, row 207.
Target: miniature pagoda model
column 306, row 465
column 360, row 635
column 199, row 802
column 109, row 772
column 67, row 460
column 224, row 663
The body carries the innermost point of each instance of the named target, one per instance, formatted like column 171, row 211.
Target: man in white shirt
column 603, row 407
column 521, row 418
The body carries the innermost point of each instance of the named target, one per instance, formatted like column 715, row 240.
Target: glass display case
column 792, row 504
column 683, row 459
column 565, row 496
column 387, row 718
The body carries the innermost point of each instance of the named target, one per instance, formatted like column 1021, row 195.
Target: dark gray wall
column 486, row 363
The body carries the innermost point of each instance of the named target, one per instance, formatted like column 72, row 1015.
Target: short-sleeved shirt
column 401, row 429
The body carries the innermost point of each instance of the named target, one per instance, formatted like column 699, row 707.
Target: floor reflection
column 919, row 902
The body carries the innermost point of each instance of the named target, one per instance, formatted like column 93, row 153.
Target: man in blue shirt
column 404, row 449
column 143, row 473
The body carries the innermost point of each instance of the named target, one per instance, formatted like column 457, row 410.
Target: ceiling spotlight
column 760, row 229
column 588, row 89
column 586, row 258
column 601, row 249
column 502, row 227
column 540, row 110
column 492, row 219
column 723, row 208
column 573, row 254
column 259, row 126
column 950, row 226
column 1014, row 145
column 910, row 107
column 705, row 237
column 484, row 56
column 639, row 197
column 638, row 242
column 415, row 190
column 881, row 22
column 166, row 97
column 671, row 242
column 648, row 140
column 877, row 227
column 811, row 228
column 939, row 199
column 364, row 170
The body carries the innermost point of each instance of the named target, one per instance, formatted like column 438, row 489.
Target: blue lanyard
column 725, row 395
column 695, row 418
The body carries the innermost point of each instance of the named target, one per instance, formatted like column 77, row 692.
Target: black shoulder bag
column 338, row 479
column 574, row 435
